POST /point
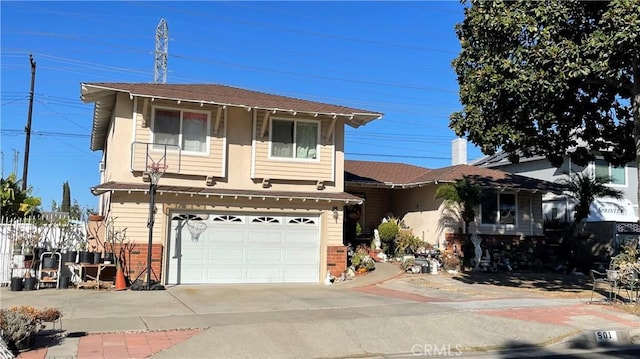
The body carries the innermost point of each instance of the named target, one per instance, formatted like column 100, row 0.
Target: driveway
column 397, row 315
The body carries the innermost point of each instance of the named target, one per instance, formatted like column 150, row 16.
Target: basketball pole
column 152, row 215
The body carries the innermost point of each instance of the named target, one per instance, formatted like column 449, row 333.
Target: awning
column 612, row 210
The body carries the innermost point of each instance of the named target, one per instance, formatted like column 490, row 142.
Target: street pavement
column 385, row 314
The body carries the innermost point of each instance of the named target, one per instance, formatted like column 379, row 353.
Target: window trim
column 207, row 151
column 295, row 122
column 611, row 184
column 497, row 223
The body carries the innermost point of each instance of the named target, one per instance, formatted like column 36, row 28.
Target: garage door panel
column 249, row 249
column 301, row 274
column 226, row 255
column 264, row 255
column 264, row 274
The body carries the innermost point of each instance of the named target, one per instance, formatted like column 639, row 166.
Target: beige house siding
column 426, row 216
column 376, row 206
column 269, row 167
column 131, row 211
column 420, row 211
column 209, row 164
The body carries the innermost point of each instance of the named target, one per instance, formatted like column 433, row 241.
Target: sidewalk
column 383, row 313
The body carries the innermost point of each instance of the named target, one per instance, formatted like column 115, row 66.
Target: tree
column 584, row 189
column 550, row 78
column 65, row 206
column 462, row 197
column 75, row 210
column 17, row 203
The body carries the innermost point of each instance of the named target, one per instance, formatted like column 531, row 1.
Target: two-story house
column 253, row 183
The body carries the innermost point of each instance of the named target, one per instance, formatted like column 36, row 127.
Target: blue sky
column 391, row 57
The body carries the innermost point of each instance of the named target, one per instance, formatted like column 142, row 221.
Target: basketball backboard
column 145, row 156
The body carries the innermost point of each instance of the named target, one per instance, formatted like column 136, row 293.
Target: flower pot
column 30, row 283
column 108, row 257
column 64, row 282
column 17, row 248
column 28, row 250
column 95, row 218
column 16, row 284
column 86, row 257
column 24, row 343
column 71, row 256
column 49, row 262
column 97, row 257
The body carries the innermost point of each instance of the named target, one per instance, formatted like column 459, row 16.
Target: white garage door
column 245, row 249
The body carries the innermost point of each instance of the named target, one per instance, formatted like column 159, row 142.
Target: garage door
column 237, row 248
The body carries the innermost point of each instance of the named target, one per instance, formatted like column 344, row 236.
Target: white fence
column 28, row 232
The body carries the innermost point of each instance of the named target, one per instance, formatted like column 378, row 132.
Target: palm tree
column 462, row 197
column 584, row 189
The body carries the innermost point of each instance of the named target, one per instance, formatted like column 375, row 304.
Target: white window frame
column 498, row 194
column 626, row 177
column 295, row 123
column 182, row 111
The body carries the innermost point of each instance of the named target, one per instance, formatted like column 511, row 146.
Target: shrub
column 388, row 231
column 18, row 328
column 450, row 260
column 406, row 242
column 19, row 324
column 362, row 262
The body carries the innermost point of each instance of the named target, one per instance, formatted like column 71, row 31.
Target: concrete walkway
column 378, row 315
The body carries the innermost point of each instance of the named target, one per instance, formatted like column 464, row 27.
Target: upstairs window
column 294, row 139
column 187, row 129
column 616, row 174
column 498, row 208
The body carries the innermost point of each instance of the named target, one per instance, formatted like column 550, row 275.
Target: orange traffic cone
column 121, row 283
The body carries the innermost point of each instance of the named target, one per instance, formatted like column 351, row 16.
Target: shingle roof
column 219, row 192
column 402, row 175
column 103, row 94
column 382, row 172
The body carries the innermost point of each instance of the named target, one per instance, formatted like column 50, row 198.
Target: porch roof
column 228, row 193
column 104, row 94
column 399, row 175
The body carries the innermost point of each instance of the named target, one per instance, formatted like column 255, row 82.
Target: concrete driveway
column 375, row 317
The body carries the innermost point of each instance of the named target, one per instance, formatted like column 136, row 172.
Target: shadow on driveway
column 545, row 282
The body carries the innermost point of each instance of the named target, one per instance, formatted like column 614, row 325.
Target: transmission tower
column 162, row 52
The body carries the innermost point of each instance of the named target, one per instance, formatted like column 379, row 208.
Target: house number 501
column 606, row 336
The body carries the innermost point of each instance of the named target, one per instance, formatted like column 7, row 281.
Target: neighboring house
column 558, row 207
column 511, row 205
column 260, row 175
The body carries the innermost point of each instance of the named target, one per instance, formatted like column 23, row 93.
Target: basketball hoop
column 155, row 171
column 196, row 228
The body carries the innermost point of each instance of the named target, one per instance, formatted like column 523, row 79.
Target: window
column 294, row 139
column 181, row 128
column 616, row 174
column 498, row 208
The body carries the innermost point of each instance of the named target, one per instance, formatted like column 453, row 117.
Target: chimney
column 459, row 152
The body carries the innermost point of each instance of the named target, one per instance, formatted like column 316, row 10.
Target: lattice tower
column 162, row 52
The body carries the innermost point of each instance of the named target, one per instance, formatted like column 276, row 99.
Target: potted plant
column 116, row 243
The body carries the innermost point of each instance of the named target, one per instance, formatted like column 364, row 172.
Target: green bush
column 388, row 232
column 406, row 242
column 362, row 260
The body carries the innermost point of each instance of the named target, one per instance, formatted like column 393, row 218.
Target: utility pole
column 27, row 129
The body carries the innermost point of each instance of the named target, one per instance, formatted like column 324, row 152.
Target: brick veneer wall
column 136, row 261
column 336, row 260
